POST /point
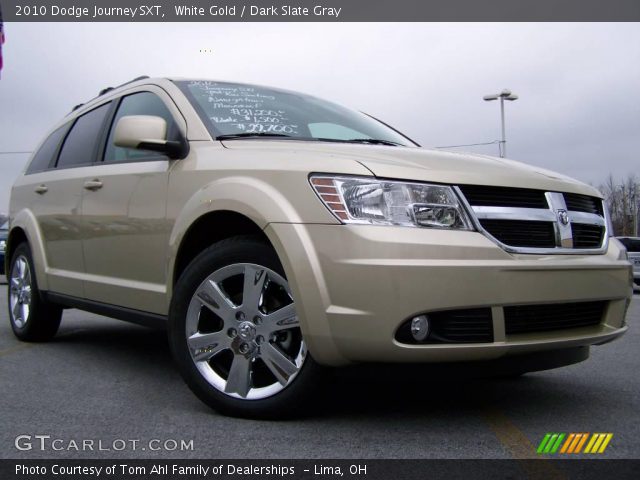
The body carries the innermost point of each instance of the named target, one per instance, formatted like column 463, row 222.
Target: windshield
column 242, row 111
column 4, row 226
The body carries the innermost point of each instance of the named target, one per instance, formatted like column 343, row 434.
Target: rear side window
column 143, row 103
column 44, row 156
column 631, row 244
column 81, row 144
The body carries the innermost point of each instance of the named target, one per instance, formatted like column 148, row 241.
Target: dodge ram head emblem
column 563, row 217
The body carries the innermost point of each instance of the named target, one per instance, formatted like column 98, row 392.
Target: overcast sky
column 579, row 84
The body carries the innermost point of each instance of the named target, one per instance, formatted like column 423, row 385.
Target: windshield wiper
column 233, row 136
column 371, row 141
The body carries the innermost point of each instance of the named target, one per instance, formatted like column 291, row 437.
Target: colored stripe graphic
column 598, row 442
column 543, row 443
column 572, row 443
column 568, row 442
column 550, row 443
column 605, row 444
column 556, row 445
column 582, row 441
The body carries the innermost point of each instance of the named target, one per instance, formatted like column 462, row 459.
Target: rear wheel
column 235, row 333
column 32, row 319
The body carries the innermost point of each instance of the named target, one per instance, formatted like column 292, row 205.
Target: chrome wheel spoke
column 23, row 269
column 27, row 295
column 205, row 346
column 282, row 319
column 212, row 297
column 281, row 367
column 20, row 268
column 239, row 380
column 17, row 313
column 254, row 283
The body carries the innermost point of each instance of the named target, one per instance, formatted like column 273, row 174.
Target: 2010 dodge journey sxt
column 274, row 233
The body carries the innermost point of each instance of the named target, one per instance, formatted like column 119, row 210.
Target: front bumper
column 355, row 285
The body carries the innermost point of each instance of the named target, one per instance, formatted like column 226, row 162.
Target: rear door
column 126, row 233
column 54, row 194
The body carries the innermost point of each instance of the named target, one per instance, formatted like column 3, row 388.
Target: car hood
column 421, row 164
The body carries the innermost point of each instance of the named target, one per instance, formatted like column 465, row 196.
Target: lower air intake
column 545, row 318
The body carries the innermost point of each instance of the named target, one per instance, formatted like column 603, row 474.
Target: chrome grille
column 504, row 197
column 582, row 203
column 535, row 221
column 522, row 233
column 587, row 236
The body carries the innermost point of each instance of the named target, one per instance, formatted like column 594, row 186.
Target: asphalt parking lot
column 105, row 380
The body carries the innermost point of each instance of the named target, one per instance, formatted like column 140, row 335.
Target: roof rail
column 108, row 89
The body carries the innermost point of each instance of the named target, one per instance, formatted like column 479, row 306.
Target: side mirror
column 146, row 132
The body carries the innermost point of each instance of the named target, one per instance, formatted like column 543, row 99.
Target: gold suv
column 273, row 233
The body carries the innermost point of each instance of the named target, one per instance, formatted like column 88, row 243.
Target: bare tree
column 622, row 199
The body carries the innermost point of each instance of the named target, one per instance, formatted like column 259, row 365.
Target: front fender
column 256, row 199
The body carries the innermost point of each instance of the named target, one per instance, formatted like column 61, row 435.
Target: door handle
column 93, row 185
column 40, row 189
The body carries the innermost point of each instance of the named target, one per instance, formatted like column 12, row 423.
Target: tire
column 32, row 318
column 235, row 335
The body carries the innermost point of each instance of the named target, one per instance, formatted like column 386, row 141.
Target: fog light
column 420, row 328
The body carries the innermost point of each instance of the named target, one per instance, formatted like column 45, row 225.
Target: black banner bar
column 123, row 469
column 320, row 10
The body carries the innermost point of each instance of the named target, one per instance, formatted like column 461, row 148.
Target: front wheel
column 235, row 334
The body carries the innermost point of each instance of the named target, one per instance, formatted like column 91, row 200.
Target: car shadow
column 362, row 391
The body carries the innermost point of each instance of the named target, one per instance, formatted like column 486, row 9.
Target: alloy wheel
column 243, row 333
column 20, row 292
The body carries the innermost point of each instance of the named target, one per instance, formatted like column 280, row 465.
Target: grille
column 454, row 326
column 504, row 197
column 586, row 236
column 583, row 203
column 528, row 221
column 522, row 233
column 544, row 318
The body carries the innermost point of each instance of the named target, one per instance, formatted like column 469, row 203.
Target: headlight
column 3, row 245
column 381, row 202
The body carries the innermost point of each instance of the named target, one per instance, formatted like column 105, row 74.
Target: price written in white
column 257, row 11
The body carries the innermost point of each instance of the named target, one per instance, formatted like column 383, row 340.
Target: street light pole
column 504, row 95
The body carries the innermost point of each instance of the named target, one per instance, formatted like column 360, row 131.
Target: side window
column 43, row 157
column 82, row 141
column 144, row 103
